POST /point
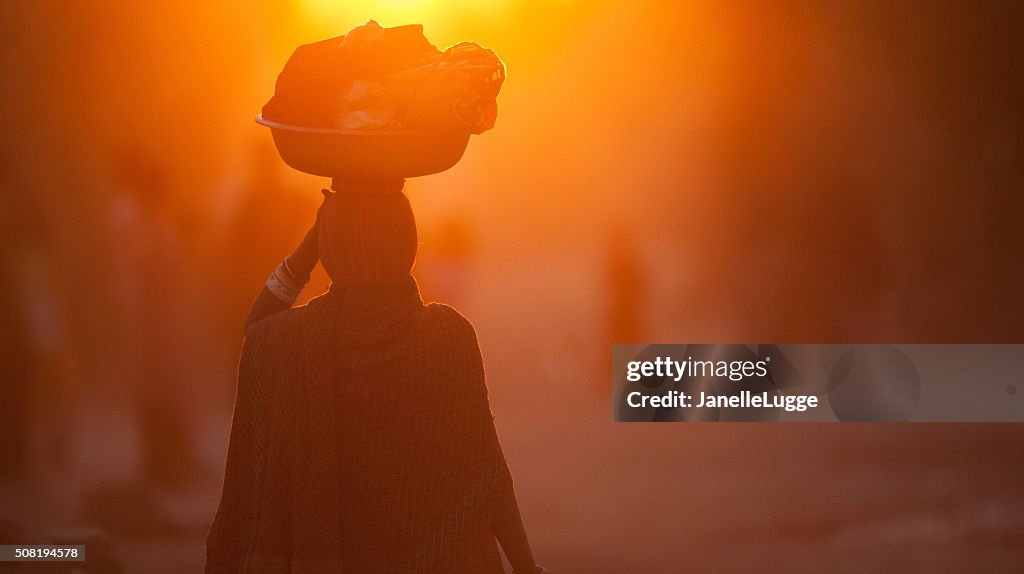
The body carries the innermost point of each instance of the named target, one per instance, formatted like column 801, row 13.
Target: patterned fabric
column 362, row 440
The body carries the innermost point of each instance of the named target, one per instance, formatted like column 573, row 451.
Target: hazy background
column 786, row 172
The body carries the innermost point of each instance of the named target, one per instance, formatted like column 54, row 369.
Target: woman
column 362, row 438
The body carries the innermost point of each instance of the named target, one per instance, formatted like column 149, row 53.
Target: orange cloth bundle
column 457, row 90
column 388, row 78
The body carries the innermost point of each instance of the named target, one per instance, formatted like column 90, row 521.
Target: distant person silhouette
column 15, row 336
column 362, row 438
column 625, row 282
column 151, row 261
column 262, row 224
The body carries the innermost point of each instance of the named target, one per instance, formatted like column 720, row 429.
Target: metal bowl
column 366, row 154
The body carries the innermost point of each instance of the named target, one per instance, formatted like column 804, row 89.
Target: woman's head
column 367, row 237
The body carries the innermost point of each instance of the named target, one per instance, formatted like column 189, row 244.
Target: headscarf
column 367, row 233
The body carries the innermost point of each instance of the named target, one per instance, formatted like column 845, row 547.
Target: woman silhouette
column 362, row 439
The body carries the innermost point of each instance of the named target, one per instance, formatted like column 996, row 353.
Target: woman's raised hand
column 328, row 194
column 302, row 261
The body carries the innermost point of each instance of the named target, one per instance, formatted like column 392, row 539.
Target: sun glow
column 392, row 12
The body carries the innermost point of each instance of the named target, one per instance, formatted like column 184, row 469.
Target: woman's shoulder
column 286, row 323
column 445, row 312
column 448, row 318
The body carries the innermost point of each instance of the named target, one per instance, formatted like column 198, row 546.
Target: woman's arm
column 286, row 282
column 508, row 529
column 266, row 304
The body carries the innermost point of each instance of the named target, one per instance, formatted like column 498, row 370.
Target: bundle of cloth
column 388, row 78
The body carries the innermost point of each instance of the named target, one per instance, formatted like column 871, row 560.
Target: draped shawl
column 362, row 440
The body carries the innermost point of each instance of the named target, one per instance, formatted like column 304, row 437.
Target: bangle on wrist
column 288, row 269
column 283, row 283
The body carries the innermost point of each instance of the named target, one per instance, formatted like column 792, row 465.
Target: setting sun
column 394, row 11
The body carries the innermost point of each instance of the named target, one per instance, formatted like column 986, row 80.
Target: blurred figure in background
column 15, row 360
column 264, row 218
column 625, row 281
column 37, row 363
column 149, row 274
